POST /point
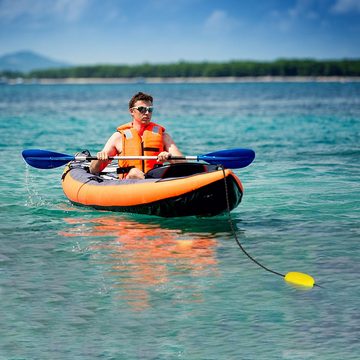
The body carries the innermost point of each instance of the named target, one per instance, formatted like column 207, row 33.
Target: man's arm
column 111, row 148
column 171, row 149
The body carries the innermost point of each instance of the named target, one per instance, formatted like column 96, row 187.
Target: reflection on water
column 147, row 259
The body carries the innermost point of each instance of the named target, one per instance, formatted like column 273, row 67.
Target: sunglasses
column 144, row 109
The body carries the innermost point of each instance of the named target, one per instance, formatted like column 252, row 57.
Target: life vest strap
column 151, row 149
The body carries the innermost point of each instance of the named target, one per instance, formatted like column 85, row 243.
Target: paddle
column 231, row 158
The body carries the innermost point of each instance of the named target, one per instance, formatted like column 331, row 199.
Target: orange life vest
column 149, row 144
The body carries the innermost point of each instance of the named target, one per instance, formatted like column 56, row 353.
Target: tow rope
column 295, row 278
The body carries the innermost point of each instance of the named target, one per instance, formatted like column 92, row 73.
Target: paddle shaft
column 89, row 158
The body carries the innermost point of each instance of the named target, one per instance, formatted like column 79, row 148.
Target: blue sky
column 163, row 31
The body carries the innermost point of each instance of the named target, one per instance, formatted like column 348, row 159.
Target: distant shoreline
column 185, row 80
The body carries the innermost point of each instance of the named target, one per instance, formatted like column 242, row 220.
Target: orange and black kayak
column 182, row 189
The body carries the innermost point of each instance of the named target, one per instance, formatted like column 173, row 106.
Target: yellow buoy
column 299, row 278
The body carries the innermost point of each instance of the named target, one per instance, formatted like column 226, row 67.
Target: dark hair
column 140, row 96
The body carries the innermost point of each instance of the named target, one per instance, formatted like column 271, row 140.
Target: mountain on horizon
column 25, row 61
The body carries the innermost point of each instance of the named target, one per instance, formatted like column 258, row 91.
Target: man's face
column 141, row 113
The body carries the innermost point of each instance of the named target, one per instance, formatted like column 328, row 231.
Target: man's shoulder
column 116, row 135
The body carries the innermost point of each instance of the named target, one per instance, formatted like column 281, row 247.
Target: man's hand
column 163, row 156
column 102, row 155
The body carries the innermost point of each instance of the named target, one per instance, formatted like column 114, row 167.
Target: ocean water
column 77, row 283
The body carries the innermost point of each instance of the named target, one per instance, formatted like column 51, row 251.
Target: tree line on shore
column 281, row 67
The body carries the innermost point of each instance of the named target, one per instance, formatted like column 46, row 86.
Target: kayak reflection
column 146, row 260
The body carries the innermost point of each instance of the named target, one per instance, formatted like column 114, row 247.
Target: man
column 139, row 137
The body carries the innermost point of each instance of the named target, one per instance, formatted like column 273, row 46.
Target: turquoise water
column 83, row 284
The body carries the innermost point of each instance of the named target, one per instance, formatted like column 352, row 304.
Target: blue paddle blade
column 230, row 159
column 44, row 159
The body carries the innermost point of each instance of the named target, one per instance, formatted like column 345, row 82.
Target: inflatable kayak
column 182, row 189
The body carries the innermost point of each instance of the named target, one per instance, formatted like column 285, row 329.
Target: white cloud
column 346, row 6
column 218, row 22
column 68, row 10
column 302, row 10
column 71, row 10
column 10, row 10
column 301, row 7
